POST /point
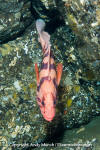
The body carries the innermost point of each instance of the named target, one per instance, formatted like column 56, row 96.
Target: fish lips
column 49, row 119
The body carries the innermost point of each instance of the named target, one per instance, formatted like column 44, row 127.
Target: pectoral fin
column 59, row 72
column 37, row 73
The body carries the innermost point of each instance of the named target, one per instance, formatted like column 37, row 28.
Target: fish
column 49, row 76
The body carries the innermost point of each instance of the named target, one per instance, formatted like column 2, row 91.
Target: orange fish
column 49, row 77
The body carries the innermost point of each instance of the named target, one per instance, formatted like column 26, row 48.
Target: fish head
column 48, row 107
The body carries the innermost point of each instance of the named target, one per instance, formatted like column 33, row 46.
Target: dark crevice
column 13, row 37
column 54, row 18
column 55, row 22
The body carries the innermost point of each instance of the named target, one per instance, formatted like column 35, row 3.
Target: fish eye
column 42, row 102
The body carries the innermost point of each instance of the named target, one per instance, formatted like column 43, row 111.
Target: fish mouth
column 48, row 119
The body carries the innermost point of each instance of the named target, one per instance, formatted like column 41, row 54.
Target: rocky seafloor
column 86, row 137
column 74, row 28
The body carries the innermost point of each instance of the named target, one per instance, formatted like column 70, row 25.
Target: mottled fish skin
column 44, row 65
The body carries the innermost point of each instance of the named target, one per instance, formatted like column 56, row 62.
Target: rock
column 78, row 93
column 18, row 106
column 84, row 19
column 15, row 16
column 48, row 10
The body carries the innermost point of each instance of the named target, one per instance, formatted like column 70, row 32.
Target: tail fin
column 44, row 37
column 40, row 25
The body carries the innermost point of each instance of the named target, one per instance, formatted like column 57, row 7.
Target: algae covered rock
column 79, row 94
column 15, row 16
column 84, row 19
column 21, row 120
column 75, row 44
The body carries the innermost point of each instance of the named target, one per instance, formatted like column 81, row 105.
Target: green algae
column 6, row 49
column 76, row 88
column 69, row 102
column 72, row 22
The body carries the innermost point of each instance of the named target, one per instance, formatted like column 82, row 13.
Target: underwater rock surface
column 82, row 138
column 83, row 16
column 20, row 120
column 15, row 16
column 79, row 90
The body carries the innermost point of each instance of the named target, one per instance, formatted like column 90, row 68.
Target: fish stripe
column 41, row 82
column 51, row 55
column 46, row 54
column 55, row 84
column 44, row 65
column 52, row 66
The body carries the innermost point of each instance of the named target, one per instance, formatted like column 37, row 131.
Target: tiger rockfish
column 49, row 77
